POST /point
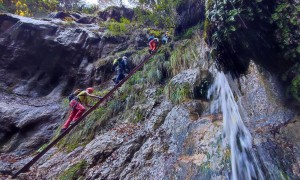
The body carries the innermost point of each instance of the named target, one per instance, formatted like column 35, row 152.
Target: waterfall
column 243, row 161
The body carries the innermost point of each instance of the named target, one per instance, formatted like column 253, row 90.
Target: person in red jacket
column 153, row 44
column 77, row 105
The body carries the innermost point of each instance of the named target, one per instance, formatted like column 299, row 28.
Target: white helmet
column 124, row 57
column 156, row 39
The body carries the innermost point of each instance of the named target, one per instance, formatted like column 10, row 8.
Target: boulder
column 116, row 13
column 61, row 15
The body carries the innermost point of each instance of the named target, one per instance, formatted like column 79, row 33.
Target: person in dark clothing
column 165, row 37
column 121, row 68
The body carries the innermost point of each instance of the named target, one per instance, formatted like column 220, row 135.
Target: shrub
column 295, row 87
column 179, row 93
column 189, row 33
column 118, row 28
column 137, row 115
column 74, row 171
column 183, row 57
column 155, row 33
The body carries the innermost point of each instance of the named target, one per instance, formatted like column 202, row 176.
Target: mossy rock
column 179, row 93
column 295, row 88
column 74, row 172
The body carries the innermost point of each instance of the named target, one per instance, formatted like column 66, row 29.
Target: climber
column 77, row 105
column 121, row 67
column 150, row 38
column 153, row 44
column 165, row 37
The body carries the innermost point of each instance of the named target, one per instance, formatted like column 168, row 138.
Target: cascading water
column 243, row 161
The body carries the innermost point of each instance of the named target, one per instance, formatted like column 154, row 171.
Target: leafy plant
column 286, row 18
column 190, row 33
column 138, row 116
column 295, row 87
column 118, row 28
column 29, row 7
column 183, row 57
column 179, row 93
column 155, row 33
column 242, row 30
column 160, row 13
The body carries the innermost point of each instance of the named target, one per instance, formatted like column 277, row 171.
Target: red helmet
column 90, row 90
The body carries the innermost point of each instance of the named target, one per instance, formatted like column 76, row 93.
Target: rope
column 38, row 156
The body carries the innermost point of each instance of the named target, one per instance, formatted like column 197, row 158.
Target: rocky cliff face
column 159, row 124
column 190, row 13
column 41, row 62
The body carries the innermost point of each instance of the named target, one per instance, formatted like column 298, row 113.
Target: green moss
column 284, row 175
column 65, row 103
column 159, row 91
column 207, row 29
column 138, row 116
column 156, row 33
column 235, row 30
column 295, row 87
column 74, row 172
column 130, row 100
column 128, row 95
column 183, row 57
column 42, row 148
column 227, row 156
column 179, row 93
column 206, row 170
column 190, row 33
column 202, row 90
column 137, row 78
column 72, row 140
column 153, row 73
column 118, row 28
column 2, row 8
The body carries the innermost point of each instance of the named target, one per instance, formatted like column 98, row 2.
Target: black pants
column 120, row 76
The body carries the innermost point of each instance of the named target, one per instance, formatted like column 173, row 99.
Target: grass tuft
column 74, row 172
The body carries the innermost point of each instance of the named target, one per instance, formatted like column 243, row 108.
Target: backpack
column 74, row 94
column 150, row 38
column 118, row 63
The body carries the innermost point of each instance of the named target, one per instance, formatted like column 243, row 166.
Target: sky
column 91, row 1
column 96, row 2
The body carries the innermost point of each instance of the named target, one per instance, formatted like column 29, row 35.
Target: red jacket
column 153, row 45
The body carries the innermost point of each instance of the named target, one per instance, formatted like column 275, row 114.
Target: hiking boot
column 72, row 122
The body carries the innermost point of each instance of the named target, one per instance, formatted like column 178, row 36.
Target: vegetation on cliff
column 130, row 102
column 234, row 30
column 262, row 31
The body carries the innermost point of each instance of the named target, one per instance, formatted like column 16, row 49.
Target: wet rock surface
column 174, row 147
column 190, row 13
column 116, row 13
column 271, row 121
column 42, row 61
column 181, row 141
column 27, row 123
